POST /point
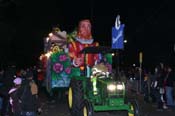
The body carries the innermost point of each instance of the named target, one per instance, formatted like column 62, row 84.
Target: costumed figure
column 83, row 39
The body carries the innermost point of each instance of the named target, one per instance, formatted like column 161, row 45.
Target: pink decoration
column 68, row 70
column 62, row 58
column 57, row 67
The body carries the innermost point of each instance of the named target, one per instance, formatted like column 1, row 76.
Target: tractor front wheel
column 75, row 97
column 87, row 109
column 135, row 108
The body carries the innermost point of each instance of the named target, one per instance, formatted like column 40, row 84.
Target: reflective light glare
column 125, row 41
column 48, row 54
column 50, row 34
column 47, row 39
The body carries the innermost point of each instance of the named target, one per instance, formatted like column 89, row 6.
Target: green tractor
column 99, row 90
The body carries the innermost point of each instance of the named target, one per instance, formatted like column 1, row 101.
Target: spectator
column 1, row 84
column 14, row 97
column 145, row 87
column 7, row 82
column 169, row 87
column 35, row 74
column 159, row 86
column 152, row 88
column 40, row 78
column 29, row 96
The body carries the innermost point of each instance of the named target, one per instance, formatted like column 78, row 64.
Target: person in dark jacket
column 14, row 97
column 29, row 96
column 159, row 88
column 1, row 84
column 169, row 87
column 7, row 82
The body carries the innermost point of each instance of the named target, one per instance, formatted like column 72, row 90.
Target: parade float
column 61, row 59
column 56, row 63
column 78, row 64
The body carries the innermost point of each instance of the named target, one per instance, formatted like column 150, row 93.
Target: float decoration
column 81, row 39
column 60, row 69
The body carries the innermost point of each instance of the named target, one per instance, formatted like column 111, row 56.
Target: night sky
column 149, row 27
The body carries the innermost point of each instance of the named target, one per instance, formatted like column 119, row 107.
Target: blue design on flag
column 117, row 37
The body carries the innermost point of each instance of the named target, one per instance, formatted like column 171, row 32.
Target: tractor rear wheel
column 75, row 97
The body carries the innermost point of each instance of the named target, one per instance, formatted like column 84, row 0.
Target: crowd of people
column 19, row 92
column 19, row 88
column 157, row 86
column 162, row 87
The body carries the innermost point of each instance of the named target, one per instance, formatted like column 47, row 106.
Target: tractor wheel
column 135, row 108
column 87, row 109
column 75, row 97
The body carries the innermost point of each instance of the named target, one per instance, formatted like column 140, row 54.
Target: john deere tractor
column 97, row 89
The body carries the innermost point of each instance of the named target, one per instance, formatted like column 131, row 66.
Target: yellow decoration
column 56, row 49
column 56, row 29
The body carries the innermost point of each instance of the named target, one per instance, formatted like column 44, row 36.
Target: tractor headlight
column 112, row 87
column 120, row 87
column 115, row 89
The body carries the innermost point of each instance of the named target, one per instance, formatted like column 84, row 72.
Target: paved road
column 58, row 108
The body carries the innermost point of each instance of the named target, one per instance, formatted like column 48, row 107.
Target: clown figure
column 83, row 39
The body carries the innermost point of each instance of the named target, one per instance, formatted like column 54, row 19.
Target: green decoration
column 108, row 58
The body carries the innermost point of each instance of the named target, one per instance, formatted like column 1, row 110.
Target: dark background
column 149, row 27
